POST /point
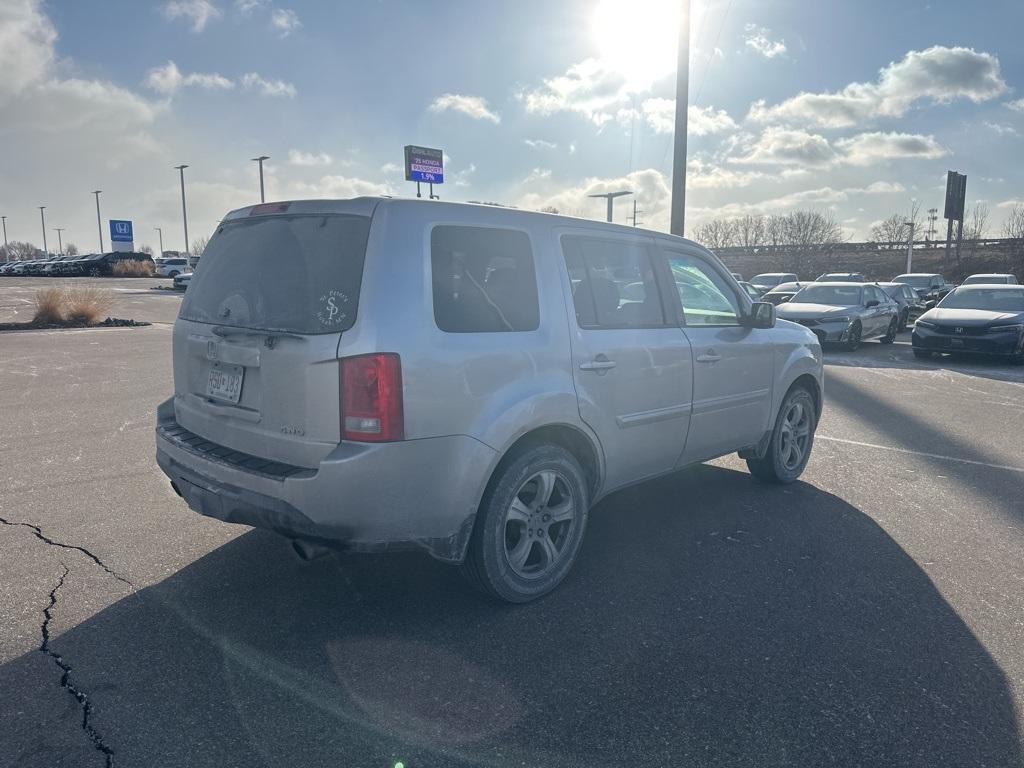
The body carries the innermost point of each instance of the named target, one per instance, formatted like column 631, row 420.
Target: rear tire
column 791, row 442
column 904, row 320
column 890, row 335
column 529, row 527
column 173, row 274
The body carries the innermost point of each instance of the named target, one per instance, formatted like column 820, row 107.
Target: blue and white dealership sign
column 121, row 231
column 424, row 164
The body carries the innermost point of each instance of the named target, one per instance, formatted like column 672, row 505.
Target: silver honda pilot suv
column 378, row 374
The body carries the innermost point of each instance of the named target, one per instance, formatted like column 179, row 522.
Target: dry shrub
column 86, row 304
column 49, row 306
column 133, row 269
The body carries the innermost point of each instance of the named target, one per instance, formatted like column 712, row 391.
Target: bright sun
column 637, row 38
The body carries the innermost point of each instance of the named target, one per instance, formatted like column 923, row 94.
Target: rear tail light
column 371, row 398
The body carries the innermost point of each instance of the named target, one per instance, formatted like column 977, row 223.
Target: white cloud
column 461, row 178
column 588, row 88
column 472, row 106
column 1013, row 203
column 168, row 79
column 757, row 39
column 1016, row 105
column 308, row 159
column 660, row 114
column 784, row 146
column 703, row 175
column 540, row 144
column 253, row 81
column 199, row 12
column 284, row 21
column 870, row 148
column 1001, row 128
column 391, row 168
column 936, row 75
column 26, row 46
column 337, row 187
column 246, row 7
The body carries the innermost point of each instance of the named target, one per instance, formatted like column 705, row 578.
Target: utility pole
column 7, row 255
column 99, row 222
column 160, row 233
column 910, row 246
column 610, row 196
column 184, row 214
column 42, row 218
column 635, row 212
column 60, row 242
column 678, row 221
column 260, row 160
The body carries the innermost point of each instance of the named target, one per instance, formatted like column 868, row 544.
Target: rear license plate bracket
column 225, row 382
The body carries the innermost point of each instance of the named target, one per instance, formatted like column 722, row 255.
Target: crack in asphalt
column 38, row 532
column 65, row 680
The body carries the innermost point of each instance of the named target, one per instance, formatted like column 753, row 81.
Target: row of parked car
column 984, row 314
column 92, row 265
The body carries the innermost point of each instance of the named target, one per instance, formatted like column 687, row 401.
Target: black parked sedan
column 911, row 305
column 979, row 319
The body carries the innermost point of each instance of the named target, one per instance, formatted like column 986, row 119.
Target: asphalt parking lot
column 871, row 614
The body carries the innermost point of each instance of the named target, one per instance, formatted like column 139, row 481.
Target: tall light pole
column 42, row 218
column 60, row 242
column 910, row 245
column 160, row 233
column 260, row 160
column 184, row 214
column 99, row 224
column 7, row 255
column 678, row 219
column 609, row 196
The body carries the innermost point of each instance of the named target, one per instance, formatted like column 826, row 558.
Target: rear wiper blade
column 225, row 331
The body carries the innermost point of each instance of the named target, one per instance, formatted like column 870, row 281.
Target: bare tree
column 549, row 209
column 811, row 228
column 70, row 249
column 890, row 230
column 1013, row 228
column 199, row 245
column 716, row 233
column 17, row 250
column 750, row 231
column 146, row 249
column 976, row 222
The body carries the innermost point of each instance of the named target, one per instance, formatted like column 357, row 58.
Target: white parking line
column 919, row 453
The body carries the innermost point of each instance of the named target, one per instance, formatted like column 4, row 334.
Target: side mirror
column 871, row 303
column 929, row 304
column 762, row 315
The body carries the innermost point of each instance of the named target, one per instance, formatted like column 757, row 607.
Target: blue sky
column 853, row 107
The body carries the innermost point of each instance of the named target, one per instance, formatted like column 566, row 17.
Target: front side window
column 613, row 284
column 705, row 297
column 483, row 280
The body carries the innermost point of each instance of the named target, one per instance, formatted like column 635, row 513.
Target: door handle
column 709, row 357
column 599, row 363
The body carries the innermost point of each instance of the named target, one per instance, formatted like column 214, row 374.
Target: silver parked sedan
column 844, row 313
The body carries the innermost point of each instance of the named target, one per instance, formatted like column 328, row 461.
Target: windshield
column 996, row 300
column 838, row 295
column 298, row 274
column 915, row 281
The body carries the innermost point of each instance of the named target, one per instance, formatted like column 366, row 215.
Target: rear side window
column 295, row 274
column 613, row 284
column 483, row 280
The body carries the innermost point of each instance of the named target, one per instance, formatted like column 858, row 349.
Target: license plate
column 225, row 382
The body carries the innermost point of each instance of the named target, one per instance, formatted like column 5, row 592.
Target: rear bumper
column 414, row 494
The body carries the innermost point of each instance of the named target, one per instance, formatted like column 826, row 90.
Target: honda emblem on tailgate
column 958, row 330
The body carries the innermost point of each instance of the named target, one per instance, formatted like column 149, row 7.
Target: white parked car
column 172, row 267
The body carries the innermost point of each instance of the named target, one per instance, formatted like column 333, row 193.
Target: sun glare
column 637, row 38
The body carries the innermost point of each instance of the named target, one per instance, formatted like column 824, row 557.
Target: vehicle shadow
column 711, row 620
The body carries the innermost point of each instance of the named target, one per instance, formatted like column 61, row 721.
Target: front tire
column 890, row 335
column 792, row 439
column 853, row 340
column 529, row 527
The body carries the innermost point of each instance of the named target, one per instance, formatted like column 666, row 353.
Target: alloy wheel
column 795, row 435
column 539, row 524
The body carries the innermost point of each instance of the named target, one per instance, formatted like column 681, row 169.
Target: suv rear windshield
column 296, row 274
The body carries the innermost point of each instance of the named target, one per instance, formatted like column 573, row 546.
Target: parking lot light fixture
column 60, row 241
column 160, row 234
column 184, row 214
column 99, row 225
column 42, row 218
column 6, row 255
column 260, row 160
